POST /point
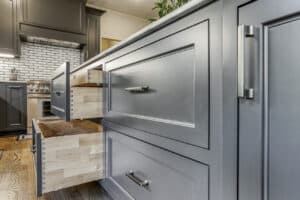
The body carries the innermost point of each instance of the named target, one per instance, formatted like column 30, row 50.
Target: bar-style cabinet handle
column 139, row 89
column 143, row 183
column 244, row 31
column 14, row 87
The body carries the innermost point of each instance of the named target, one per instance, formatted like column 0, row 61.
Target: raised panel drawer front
column 60, row 91
column 147, row 172
column 163, row 87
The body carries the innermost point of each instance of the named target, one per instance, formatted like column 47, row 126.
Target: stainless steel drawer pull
column 58, row 93
column 244, row 31
column 14, row 87
column 137, row 180
column 138, row 89
column 33, row 148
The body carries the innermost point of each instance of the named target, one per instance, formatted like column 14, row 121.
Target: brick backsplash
column 37, row 62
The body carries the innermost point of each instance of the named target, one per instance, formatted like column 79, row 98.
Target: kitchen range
column 200, row 104
column 38, row 102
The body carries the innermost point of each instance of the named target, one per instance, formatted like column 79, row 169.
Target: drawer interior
column 57, row 128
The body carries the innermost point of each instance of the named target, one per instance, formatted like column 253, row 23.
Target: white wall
column 119, row 26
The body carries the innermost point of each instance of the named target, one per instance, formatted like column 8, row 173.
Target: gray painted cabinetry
column 269, row 123
column 147, row 172
column 163, row 113
column 204, row 104
column 60, row 92
column 13, row 104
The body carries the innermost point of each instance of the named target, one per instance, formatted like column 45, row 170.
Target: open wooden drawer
column 86, row 103
column 86, row 100
column 87, row 78
column 67, row 153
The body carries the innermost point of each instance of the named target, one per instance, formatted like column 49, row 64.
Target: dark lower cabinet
column 13, row 104
column 2, row 106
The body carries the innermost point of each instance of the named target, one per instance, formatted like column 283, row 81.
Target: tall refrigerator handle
column 244, row 31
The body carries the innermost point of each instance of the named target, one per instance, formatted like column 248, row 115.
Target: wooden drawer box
column 91, row 77
column 67, row 153
column 86, row 102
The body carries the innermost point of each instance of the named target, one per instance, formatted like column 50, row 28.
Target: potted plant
column 13, row 76
column 164, row 7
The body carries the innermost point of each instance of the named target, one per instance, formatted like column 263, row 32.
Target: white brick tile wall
column 38, row 61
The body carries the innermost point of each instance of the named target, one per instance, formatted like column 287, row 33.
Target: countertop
column 8, row 81
column 178, row 13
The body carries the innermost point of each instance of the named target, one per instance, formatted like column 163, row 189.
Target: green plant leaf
column 164, row 7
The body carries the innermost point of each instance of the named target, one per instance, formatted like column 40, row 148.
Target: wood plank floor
column 17, row 177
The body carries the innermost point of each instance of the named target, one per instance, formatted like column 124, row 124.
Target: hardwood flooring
column 17, row 178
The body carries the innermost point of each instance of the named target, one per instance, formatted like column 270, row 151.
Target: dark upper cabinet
column 8, row 39
column 13, row 105
column 93, row 33
column 53, row 19
column 64, row 15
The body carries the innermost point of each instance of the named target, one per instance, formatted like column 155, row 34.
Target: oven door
column 44, row 108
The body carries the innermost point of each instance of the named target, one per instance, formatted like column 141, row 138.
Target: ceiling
column 139, row 8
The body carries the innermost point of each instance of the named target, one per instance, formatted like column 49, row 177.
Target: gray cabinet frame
column 60, row 92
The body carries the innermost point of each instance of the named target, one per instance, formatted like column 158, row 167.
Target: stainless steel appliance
column 38, row 102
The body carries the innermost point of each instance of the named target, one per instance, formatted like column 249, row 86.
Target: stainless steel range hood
column 52, row 42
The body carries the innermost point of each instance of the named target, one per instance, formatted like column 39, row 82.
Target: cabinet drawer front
column 60, row 92
column 163, row 88
column 169, row 176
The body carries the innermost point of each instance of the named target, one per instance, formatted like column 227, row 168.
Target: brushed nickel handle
column 58, row 93
column 243, row 32
column 143, row 183
column 138, row 89
column 14, row 87
column 33, row 148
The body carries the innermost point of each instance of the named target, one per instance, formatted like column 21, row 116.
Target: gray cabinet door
column 8, row 40
column 60, row 92
column 269, row 124
column 16, row 106
column 64, row 15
